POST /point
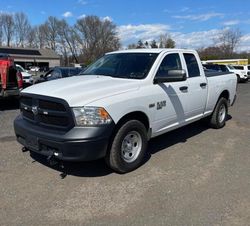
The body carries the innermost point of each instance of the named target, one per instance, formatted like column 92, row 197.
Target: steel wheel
column 222, row 113
column 131, row 146
column 219, row 116
column 128, row 148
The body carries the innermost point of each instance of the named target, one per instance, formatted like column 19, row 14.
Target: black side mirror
column 41, row 76
column 171, row 76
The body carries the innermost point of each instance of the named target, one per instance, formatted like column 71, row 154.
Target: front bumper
column 77, row 144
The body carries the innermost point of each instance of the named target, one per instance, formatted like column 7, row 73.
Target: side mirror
column 171, row 76
column 41, row 76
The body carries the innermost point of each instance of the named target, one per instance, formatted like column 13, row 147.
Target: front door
column 171, row 98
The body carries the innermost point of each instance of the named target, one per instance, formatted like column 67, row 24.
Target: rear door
column 197, row 87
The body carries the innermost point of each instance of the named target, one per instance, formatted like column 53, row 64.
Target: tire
column 219, row 116
column 128, row 148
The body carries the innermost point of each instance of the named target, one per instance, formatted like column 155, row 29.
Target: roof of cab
column 154, row 50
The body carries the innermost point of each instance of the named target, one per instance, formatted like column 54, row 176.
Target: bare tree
column 96, row 36
column 228, row 40
column 68, row 40
column 50, row 29
column 8, row 27
column 153, row 44
column 41, row 36
column 166, row 41
column 132, row 46
column 1, row 30
column 140, row 45
column 211, row 53
column 22, row 28
column 32, row 40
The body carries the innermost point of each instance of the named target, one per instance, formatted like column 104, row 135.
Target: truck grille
column 46, row 111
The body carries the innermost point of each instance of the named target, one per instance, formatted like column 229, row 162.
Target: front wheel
column 128, row 147
column 219, row 116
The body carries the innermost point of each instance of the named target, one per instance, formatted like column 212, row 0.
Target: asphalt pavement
column 193, row 176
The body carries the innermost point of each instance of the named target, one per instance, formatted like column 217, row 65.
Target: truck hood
column 83, row 90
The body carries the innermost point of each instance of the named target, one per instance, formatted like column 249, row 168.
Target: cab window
column 170, row 62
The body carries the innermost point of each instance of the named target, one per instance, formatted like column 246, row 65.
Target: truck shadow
column 95, row 168
column 98, row 168
column 9, row 104
column 180, row 135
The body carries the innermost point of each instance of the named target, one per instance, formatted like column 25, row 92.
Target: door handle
column 183, row 88
column 202, row 85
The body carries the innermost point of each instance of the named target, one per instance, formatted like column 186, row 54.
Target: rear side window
column 192, row 65
column 239, row 67
column 170, row 62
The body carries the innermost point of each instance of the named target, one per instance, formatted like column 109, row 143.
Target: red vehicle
column 11, row 81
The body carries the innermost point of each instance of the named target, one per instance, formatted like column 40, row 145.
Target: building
column 227, row 61
column 28, row 57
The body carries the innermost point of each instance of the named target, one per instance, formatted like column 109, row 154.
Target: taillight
column 19, row 79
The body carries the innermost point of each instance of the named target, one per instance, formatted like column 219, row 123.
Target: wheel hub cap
column 131, row 146
column 222, row 113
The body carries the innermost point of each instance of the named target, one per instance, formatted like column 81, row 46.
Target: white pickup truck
column 120, row 102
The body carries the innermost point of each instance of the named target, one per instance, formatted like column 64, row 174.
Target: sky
column 192, row 24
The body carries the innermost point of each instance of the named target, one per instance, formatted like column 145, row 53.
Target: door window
column 170, row 62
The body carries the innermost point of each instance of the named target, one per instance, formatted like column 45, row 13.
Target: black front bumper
column 77, row 144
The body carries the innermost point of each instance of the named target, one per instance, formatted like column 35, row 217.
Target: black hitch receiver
column 24, row 149
column 53, row 161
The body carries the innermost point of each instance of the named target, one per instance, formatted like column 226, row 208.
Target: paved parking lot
column 193, row 176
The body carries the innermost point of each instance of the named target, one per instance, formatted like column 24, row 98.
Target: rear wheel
column 219, row 116
column 128, row 147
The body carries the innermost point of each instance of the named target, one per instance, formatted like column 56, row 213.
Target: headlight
column 91, row 116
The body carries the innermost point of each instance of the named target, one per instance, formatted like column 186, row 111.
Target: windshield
column 123, row 65
column 20, row 68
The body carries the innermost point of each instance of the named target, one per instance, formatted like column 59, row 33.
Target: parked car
column 242, row 75
column 122, row 101
column 44, row 69
column 27, row 78
column 245, row 68
column 59, row 72
column 34, row 68
column 11, row 82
